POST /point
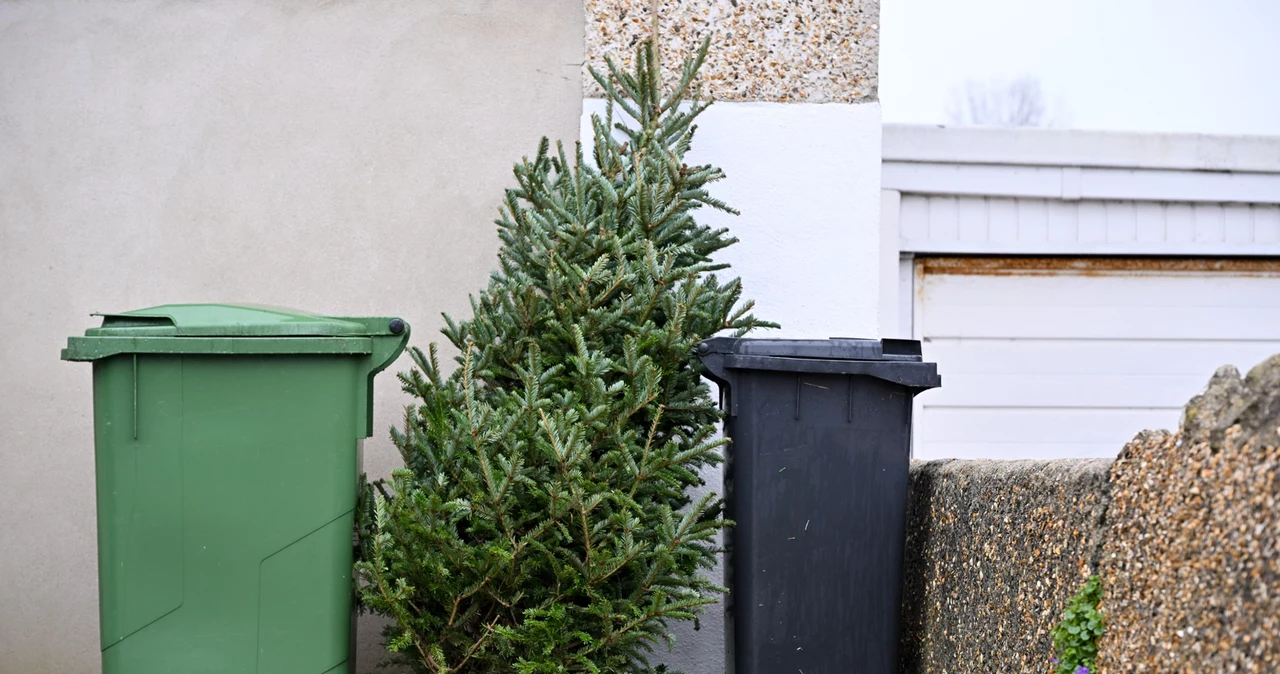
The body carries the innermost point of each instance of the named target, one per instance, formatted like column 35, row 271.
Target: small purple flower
column 1054, row 659
column 1081, row 670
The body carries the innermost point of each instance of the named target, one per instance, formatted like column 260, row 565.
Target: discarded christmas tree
column 542, row 521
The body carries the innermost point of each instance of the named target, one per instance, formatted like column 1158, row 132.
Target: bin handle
column 915, row 376
column 135, row 396
column 389, row 337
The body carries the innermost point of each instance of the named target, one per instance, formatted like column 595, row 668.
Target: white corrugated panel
column 1052, row 358
column 987, row 224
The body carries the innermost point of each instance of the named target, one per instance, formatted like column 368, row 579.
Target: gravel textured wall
column 1184, row 528
column 816, row 51
column 994, row 549
column 1192, row 550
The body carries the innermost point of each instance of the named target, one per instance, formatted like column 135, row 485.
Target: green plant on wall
column 1075, row 639
column 542, row 521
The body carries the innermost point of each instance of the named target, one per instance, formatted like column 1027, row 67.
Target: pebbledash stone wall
column 994, row 548
column 1183, row 527
column 817, row 51
column 1191, row 553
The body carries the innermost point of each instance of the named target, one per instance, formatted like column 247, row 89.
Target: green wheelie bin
column 227, row 442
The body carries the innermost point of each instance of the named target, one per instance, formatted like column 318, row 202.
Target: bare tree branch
column 1020, row 102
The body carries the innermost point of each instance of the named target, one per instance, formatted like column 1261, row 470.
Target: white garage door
column 1057, row 357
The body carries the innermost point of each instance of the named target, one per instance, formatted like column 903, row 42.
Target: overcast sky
column 1207, row 66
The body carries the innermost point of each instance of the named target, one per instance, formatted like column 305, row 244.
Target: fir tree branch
column 543, row 517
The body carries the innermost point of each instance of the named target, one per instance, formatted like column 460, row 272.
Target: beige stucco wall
column 345, row 157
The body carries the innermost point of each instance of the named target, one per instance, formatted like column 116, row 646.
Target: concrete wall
column 797, row 132
column 994, row 550
column 763, row 50
column 344, row 157
column 1183, row 528
column 1191, row 556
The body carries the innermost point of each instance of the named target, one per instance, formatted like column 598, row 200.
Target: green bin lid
column 223, row 320
column 229, row 329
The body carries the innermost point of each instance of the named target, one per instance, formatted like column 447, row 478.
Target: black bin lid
column 836, row 348
column 895, row 360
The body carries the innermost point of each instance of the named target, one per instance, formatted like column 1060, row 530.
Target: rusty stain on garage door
column 1094, row 266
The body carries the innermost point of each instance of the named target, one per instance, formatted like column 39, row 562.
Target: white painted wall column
column 890, row 301
column 806, row 179
column 796, row 130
